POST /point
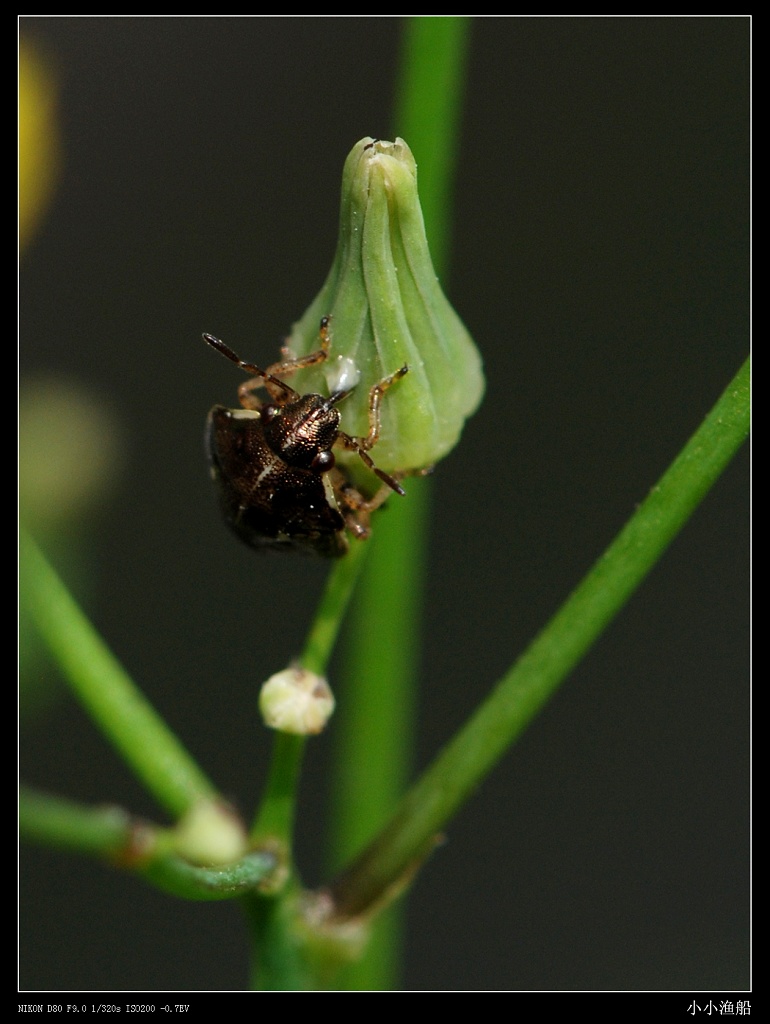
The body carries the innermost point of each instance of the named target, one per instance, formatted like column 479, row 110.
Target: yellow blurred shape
column 39, row 144
column 70, row 451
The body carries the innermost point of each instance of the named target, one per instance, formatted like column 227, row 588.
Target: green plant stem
column 275, row 818
column 112, row 699
column 376, row 733
column 465, row 761
column 429, row 103
column 53, row 821
column 276, row 960
column 179, row 878
column 110, row 833
column 331, row 611
column 376, row 738
column 375, row 726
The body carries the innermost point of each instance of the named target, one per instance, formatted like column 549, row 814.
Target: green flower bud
column 388, row 310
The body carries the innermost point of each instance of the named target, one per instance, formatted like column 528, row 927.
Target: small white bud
column 296, row 701
column 209, row 834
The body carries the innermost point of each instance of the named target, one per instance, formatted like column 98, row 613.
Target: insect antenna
column 250, row 368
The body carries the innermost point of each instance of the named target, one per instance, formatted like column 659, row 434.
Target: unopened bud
column 210, row 833
column 387, row 310
column 296, row 701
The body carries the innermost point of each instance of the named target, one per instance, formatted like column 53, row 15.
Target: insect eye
column 322, row 462
column 269, row 412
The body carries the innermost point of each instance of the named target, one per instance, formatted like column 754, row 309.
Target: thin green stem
column 331, row 611
column 375, row 726
column 104, row 688
column 179, row 878
column 67, row 825
column 110, row 833
column 276, row 961
column 429, row 104
column 376, row 737
column 275, row 818
column 555, row 651
column 375, row 743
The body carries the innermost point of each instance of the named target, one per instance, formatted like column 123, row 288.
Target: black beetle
column 279, row 486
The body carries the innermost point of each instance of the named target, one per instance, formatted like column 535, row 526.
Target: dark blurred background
column 600, row 261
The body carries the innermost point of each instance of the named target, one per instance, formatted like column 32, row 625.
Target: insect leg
column 289, row 365
column 363, row 444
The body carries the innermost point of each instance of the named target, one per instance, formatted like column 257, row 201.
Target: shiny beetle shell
column 274, row 465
